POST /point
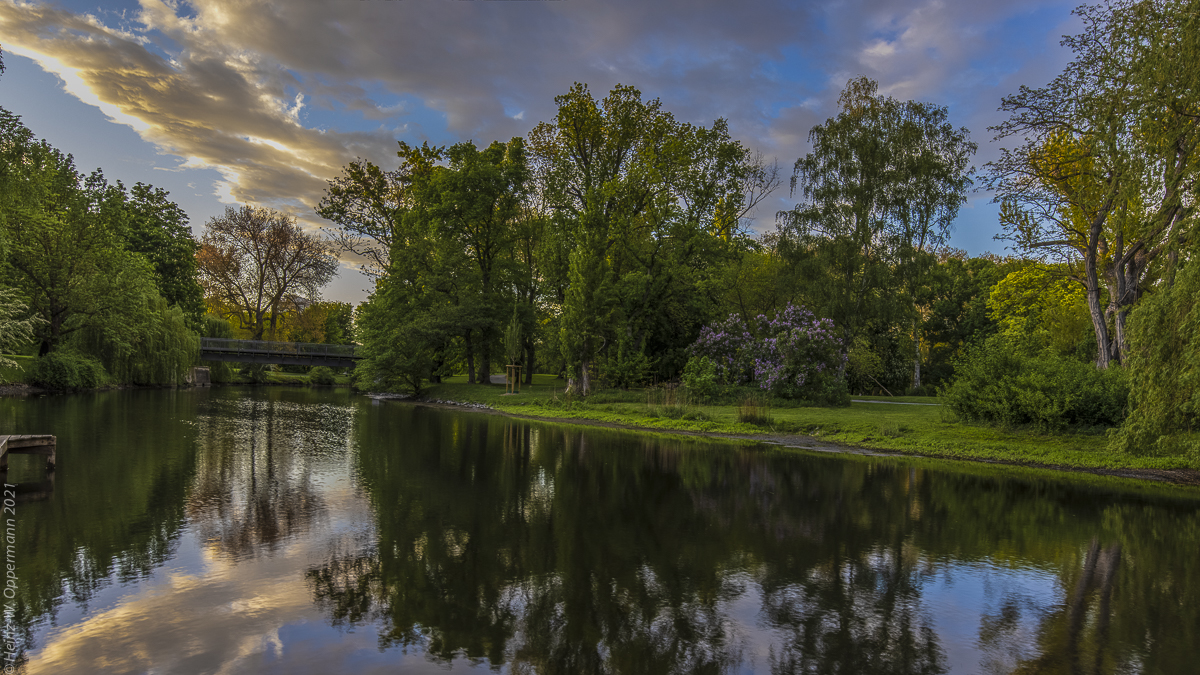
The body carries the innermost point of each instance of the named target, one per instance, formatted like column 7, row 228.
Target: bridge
column 282, row 353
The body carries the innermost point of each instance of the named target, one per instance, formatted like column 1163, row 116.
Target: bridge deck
column 282, row 353
column 27, row 444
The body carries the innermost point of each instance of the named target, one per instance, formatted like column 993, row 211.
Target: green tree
column 955, row 309
column 365, row 203
column 158, row 230
column 881, row 188
column 475, row 203
column 644, row 204
column 63, row 244
column 16, row 327
column 1164, row 369
column 1107, row 162
column 155, row 348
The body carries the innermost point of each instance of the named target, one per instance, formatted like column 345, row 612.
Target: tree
column 881, row 188
column 63, row 244
column 158, row 230
column 16, row 327
column 647, row 206
column 252, row 258
column 1105, row 174
column 366, row 203
column 1164, row 369
column 955, row 309
column 475, row 203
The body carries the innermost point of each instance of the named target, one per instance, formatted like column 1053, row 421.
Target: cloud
column 279, row 96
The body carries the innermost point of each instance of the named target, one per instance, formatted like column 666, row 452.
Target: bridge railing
column 260, row 347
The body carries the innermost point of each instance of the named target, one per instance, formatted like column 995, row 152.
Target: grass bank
column 877, row 424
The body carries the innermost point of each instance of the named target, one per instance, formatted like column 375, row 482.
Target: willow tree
column 880, row 189
column 635, row 196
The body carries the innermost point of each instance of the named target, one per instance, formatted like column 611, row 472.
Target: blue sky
column 263, row 101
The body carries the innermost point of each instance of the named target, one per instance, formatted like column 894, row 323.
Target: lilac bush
column 795, row 354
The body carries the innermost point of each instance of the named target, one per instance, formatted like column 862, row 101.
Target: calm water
column 289, row 531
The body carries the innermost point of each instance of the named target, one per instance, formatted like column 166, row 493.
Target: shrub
column 997, row 383
column 64, row 370
column 700, row 377
column 322, row 375
column 795, row 355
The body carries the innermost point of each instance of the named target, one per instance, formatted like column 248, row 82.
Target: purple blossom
column 793, row 349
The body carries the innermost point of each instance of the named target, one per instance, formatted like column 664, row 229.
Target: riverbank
column 870, row 426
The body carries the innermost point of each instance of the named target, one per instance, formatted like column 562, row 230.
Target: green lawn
column 928, row 430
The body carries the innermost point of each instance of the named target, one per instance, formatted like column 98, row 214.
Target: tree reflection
column 113, row 510
column 254, row 486
column 557, row 551
column 562, row 552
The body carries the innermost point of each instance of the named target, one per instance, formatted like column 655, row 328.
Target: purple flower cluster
column 792, row 352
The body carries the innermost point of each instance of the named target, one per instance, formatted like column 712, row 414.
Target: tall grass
column 755, row 409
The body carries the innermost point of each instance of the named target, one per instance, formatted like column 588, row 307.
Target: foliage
column 795, row 355
column 63, row 239
column 1164, row 371
column 643, row 206
column 67, row 370
column 321, row 375
column 1108, row 160
column 402, row 354
column 881, row 187
column 998, row 382
column 955, row 309
column 213, row 326
column 366, row 203
column 700, row 377
column 16, row 327
column 512, row 340
column 321, row 322
column 252, row 261
column 1042, row 308
column 157, row 229
column 475, row 206
column 156, row 348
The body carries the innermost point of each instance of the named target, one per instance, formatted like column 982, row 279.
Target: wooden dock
column 27, row 444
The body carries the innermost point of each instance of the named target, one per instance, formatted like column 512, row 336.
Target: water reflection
column 563, row 551
column 257, row 465
column 305, row 532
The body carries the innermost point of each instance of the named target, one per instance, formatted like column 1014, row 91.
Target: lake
column 278, row 530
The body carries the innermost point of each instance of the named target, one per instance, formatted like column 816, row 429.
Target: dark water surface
column 302, row 532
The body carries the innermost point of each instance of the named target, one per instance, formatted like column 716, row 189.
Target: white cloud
column 231, row 85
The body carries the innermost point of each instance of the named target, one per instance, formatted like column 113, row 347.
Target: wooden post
column 513, row 380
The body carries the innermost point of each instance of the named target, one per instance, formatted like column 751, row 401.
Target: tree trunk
column 1092, row 283
column 529, row 354
column 585, row 379
column 1099, row 324
column 470, row 358
column 916, row 358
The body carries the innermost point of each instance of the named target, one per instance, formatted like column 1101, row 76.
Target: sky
column 262, row 102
